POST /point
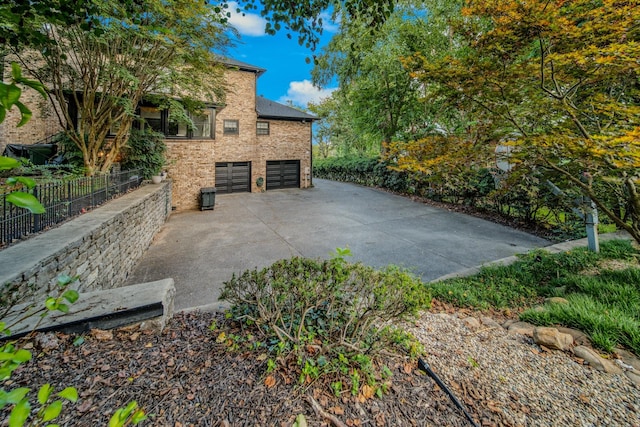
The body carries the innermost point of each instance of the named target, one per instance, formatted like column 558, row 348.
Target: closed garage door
column 233, row 177
column 283, row 174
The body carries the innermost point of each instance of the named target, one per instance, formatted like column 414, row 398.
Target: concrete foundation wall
column 102, row 247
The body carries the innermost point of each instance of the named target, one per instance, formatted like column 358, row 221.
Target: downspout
column 311, row 154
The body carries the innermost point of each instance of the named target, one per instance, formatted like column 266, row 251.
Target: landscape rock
column 629, row 359
column 634, row 377
column 508, row 323
column 579, row 337
column 522, row 328
column 471, row 323
column 47, row 342
column 556, row 300
column 595, row 360
column 552, row 338
column 489, row 322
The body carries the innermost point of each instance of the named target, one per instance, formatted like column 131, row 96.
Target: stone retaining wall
column 102, row 247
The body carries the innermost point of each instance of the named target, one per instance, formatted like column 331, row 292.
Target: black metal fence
column 63, row 200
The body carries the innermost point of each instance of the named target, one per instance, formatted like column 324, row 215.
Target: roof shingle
column 268, row 109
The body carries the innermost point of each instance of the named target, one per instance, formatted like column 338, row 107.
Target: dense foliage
column 145, row 151
column 329, row 317
column 556, row 83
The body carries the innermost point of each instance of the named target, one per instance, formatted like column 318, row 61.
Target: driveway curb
column 554, row 249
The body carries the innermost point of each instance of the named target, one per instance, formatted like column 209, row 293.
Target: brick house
column 252, row 140
column 249, row 144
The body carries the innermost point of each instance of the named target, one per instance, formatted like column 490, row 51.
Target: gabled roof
column 243, row 66
column 268, row 109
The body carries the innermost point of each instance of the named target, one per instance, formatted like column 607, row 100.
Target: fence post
column 36, row 217
column 69, row 199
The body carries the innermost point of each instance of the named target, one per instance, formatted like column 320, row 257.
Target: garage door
column 283, row 174
column 233, row 177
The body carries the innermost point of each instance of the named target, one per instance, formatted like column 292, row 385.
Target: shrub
column 330, row 316
column 145, row 150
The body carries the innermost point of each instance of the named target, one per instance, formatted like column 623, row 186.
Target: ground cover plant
column 602, row 291
column 324, row 320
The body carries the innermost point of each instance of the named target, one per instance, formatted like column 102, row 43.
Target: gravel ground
column 520, row 382
column 183, row 377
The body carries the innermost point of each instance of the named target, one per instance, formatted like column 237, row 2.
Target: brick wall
column 43, row 124
column 102, row 247
column 192, row 162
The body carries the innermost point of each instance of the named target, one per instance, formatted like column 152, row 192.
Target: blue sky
column 288, row 76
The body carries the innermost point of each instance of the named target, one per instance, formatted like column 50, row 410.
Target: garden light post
column 586, row 209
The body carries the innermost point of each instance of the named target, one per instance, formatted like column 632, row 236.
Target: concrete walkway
column 201, row 250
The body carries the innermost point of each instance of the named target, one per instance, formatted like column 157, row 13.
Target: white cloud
column 248, row 24
column 328, row 24
column 304, row 92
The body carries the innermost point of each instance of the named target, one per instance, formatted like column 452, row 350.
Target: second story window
column 231, row 127
column 262, row 128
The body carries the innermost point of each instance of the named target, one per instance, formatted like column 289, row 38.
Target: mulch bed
column 183, row 377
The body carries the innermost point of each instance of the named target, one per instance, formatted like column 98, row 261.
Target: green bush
column 369, row 171
column 329, row 316
column 145, row 150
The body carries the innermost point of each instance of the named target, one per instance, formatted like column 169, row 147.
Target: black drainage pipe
column 424, row 367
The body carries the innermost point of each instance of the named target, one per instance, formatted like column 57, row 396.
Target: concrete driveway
column 201, row 250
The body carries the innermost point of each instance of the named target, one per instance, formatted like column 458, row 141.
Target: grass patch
column 603, row 302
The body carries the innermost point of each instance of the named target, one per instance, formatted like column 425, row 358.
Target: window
column 230, row 127
column 151, row 117
column 162, row 121
column 175, row 128
column 262, row 128
column 203, row 124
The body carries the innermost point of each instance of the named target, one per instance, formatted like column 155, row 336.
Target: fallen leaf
column 148, row 345
column 270, row 381
column 368, row 391
column 262, row 357
column 408, row 368
column 134, row 336
column 222, row 337
column 101, row 335
column 337, row 410
column 85, row 406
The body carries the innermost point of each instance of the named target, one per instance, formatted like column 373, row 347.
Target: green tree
column 378, row 100
column 151, row 47
column 20, row 20
column 556, row 81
